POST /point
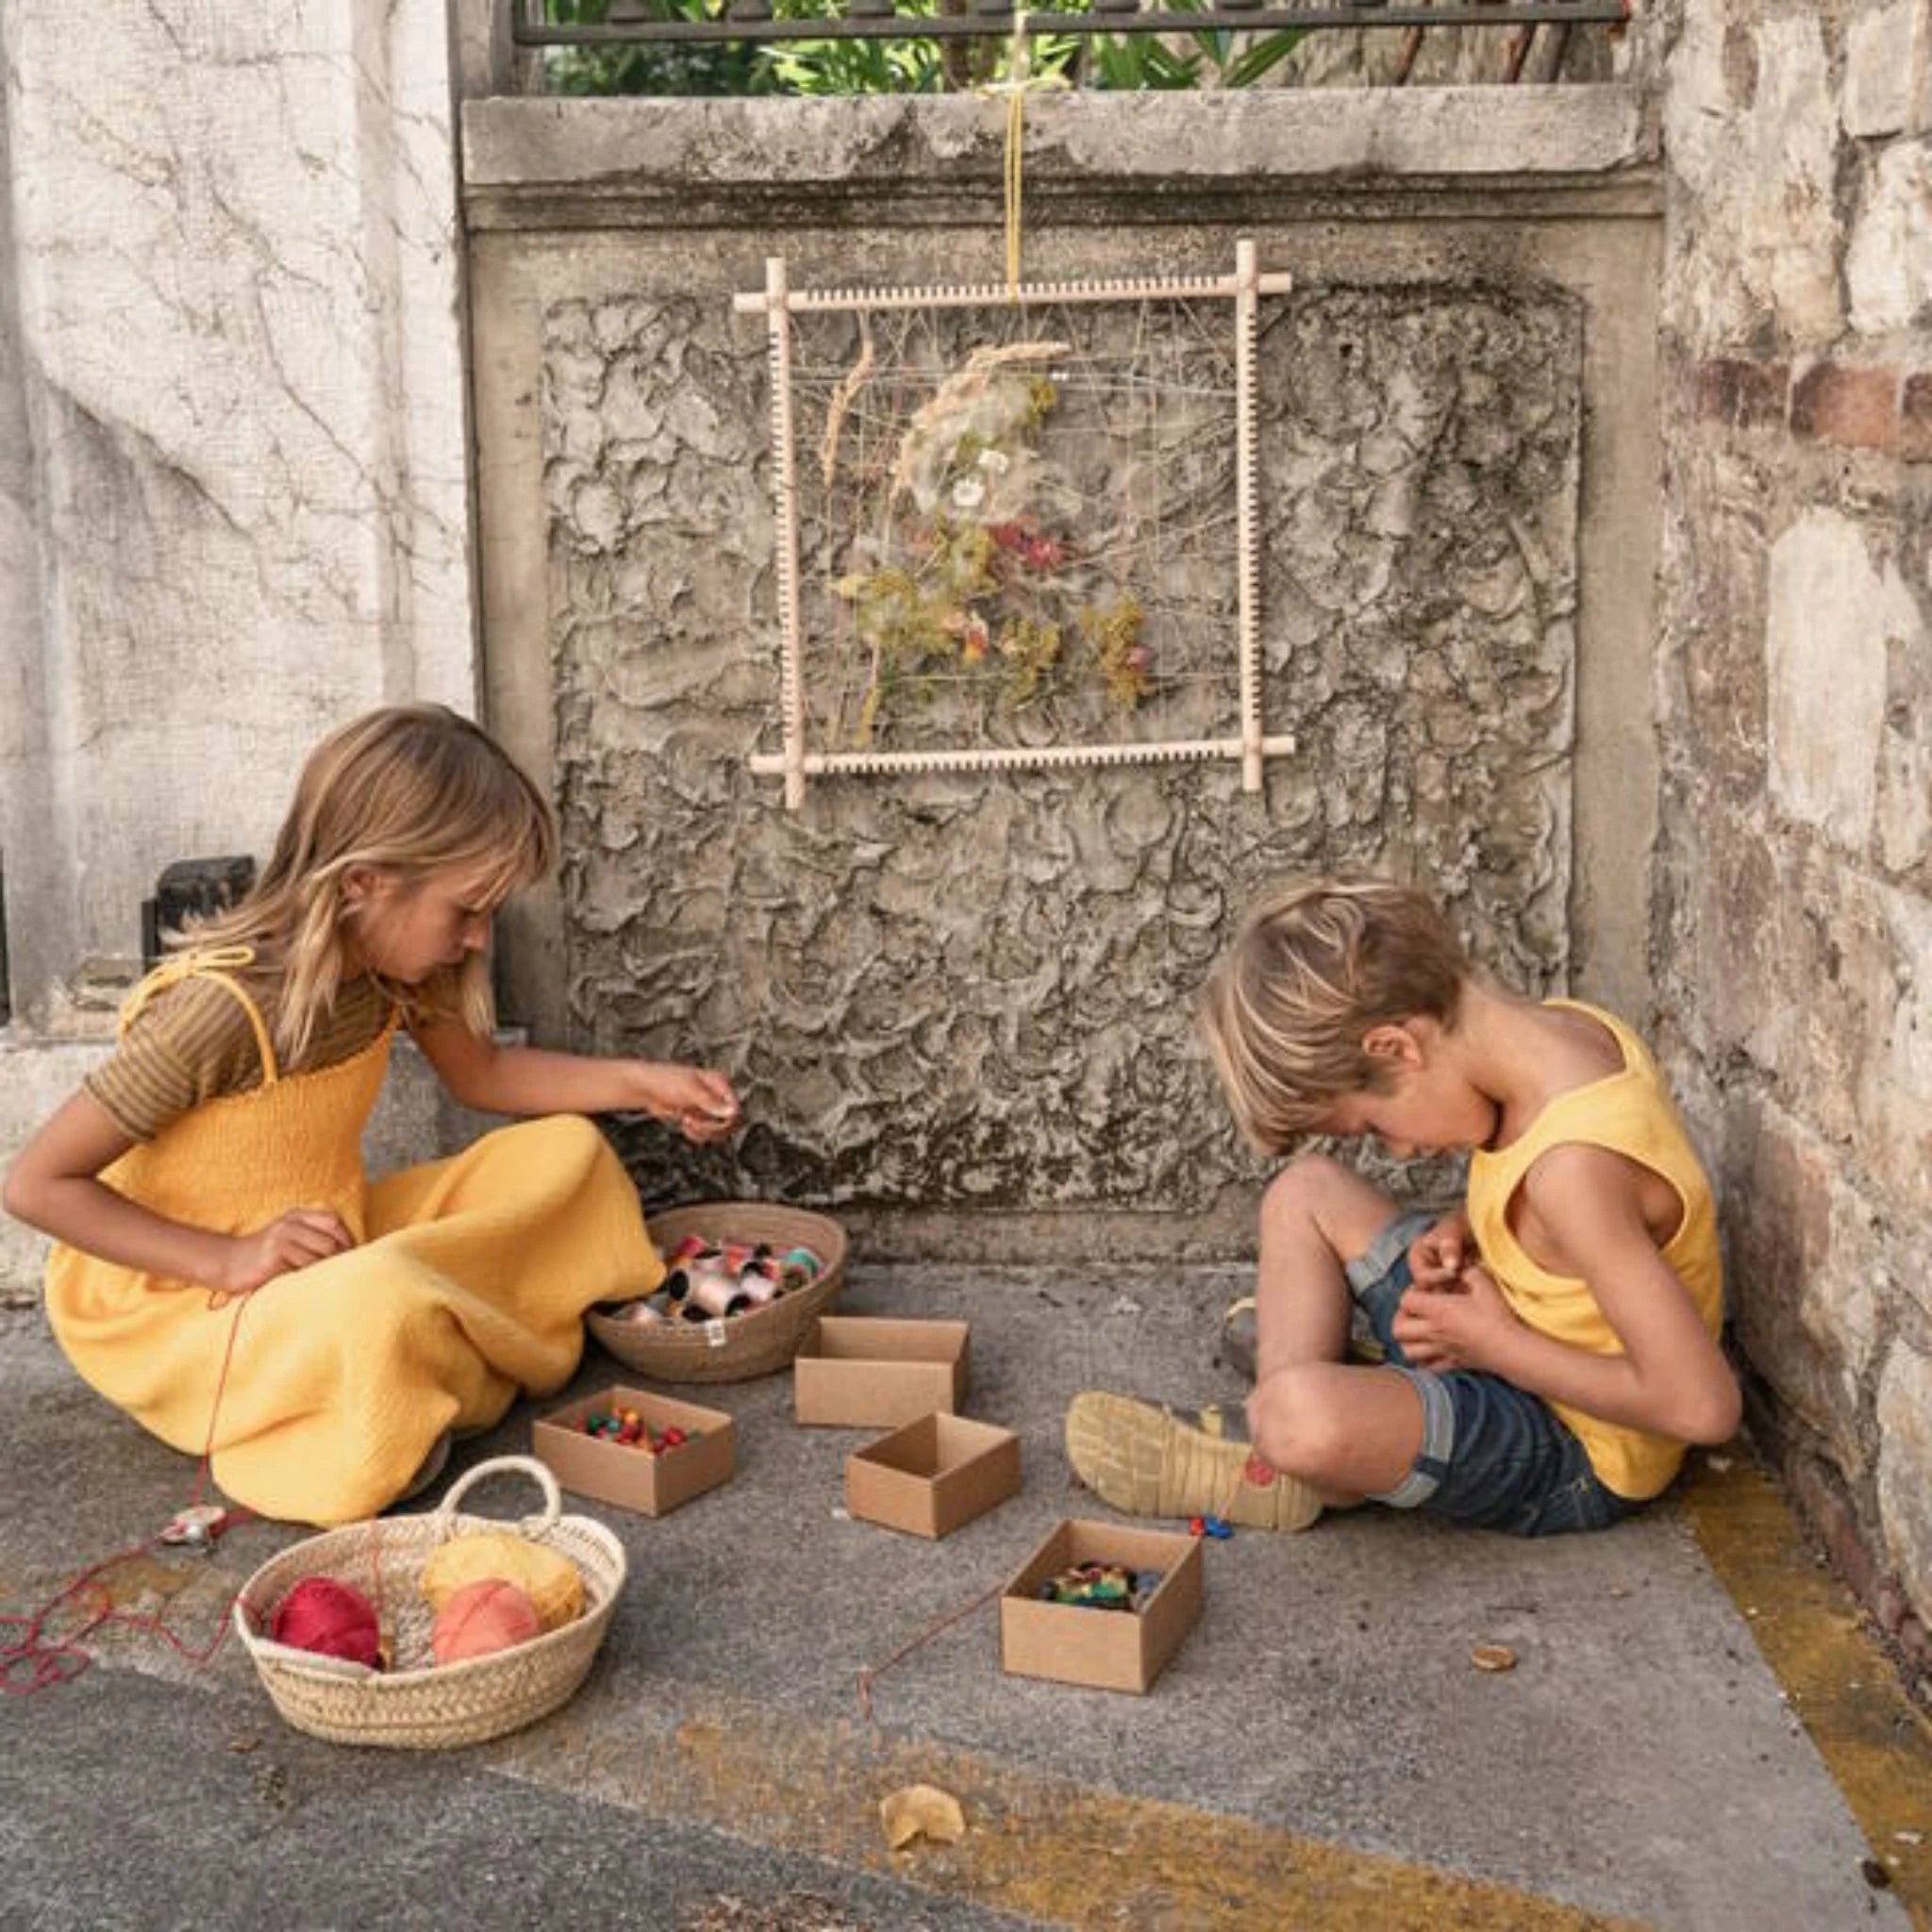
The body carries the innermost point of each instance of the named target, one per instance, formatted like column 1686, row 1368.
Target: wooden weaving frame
column 779, row 302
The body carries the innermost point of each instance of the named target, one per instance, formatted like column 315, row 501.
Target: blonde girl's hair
column 408, row 791
column 1317, row 964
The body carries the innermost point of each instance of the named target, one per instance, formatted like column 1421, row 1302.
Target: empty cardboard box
column 620, row 1472
column 933, row 1474
column 859, row 1372
column 1113, row 1650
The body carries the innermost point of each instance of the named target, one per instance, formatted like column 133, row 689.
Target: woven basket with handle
column 732, row 1348
column 416, row 1705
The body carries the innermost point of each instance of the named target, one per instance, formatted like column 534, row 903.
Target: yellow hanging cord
column 1016, row 146
column 1017, row 85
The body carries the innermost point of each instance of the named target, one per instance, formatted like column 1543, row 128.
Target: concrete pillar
column 235, row 335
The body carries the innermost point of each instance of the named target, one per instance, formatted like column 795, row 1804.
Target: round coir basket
column 417, row 1705
column 735, row 1347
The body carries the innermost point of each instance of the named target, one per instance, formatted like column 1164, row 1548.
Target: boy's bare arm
column 1672, row 1377
column 52, row 1186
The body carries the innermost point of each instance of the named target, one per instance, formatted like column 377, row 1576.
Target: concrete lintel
column 1485, row 137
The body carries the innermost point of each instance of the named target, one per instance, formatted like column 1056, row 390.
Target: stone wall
column 1794, row 931
column 960, row 1006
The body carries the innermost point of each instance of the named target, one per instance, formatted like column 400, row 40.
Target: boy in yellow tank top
column 1548, row 1349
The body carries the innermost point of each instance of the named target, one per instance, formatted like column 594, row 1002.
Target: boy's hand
column 1461, row 1326
column 290, row 1241
column 698, row 1102
column 1438, row 1255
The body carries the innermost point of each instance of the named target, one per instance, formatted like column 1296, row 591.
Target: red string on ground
column 925, row 1636
column 33, row 1662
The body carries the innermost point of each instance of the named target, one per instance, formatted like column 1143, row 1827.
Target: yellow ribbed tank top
column 467, row 1281
column 1631, row 1113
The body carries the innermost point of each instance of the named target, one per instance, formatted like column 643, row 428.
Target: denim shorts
column 1493, row 1455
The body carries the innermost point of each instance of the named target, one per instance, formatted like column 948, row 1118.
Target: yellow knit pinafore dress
column 468, row 1282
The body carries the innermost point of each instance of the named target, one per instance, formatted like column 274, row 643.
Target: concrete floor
column 1321, row 1752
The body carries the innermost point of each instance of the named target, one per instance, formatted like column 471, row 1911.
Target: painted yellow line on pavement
column 1842, row 1685
column 1037, row 1847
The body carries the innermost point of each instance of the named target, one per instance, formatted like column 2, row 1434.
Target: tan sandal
column 1144, row 1460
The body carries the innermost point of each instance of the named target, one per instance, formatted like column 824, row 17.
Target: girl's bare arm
column 529, row 1080
column 52, row 1186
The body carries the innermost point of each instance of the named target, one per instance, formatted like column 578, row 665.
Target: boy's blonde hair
column 409, row 791
column 1316, row 965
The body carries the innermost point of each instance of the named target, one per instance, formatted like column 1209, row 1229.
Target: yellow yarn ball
column 549, row 1579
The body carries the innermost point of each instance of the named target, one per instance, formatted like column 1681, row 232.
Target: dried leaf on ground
column 921, row 1811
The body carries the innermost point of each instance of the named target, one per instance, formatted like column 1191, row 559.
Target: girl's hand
column 696, row 1101
column 1438, row 1255
column 1464, row 1326
column 292, row 1241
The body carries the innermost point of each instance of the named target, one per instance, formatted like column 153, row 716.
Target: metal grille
column 747, row 21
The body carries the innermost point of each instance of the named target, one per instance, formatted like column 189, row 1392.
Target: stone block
column 1889, row 250
column 1757, row 238
column 1879, row 52
column 1830, row 618
column 1905, row 773
column 1904, row 1415
column 1745, row 394
column 1715, row 614
column 1856, row 409
column 1807, row 1275
column 1895, row 1094
column 1915, row 418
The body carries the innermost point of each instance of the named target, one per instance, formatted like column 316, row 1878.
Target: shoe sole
column 1143, row 1461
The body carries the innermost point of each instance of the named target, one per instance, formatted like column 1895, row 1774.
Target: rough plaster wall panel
column 238, row 301
column 967, row 990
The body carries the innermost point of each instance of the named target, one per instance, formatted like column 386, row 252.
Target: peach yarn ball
column 481, row 1619
column 547, row 1576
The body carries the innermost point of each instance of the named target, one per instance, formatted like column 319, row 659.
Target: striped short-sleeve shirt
column 193, row 1041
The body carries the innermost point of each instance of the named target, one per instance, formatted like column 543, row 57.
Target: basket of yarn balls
column 422, row 1632
column 693, row 1337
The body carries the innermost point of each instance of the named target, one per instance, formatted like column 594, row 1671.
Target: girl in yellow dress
column 216, row 1158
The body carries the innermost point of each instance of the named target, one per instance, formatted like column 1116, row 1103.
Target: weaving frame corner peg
column 779, row 302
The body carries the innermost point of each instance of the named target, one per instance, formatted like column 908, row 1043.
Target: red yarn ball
column 329, row 1619
column 481, row 1619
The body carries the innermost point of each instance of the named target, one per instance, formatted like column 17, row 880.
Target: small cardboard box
column 620, row 1472
column 933, row 1474
column 859, row 1372
column 1113, row 1650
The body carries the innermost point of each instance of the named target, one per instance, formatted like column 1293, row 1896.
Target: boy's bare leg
column 1315, row 1216
column 1143, row 1459
column 1346, row 1431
